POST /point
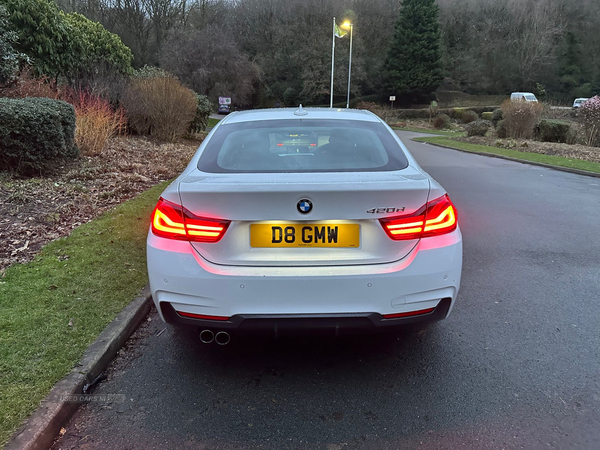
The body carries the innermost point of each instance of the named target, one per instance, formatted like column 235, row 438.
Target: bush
column 9, row 57
column 32, row 134
column 589, row 115
column 497, row 116
column 26, row 85
column 520, row 118
column 576, row 134
column 456, row 113
column 487, row 116
column 478, row 127
column 501, row 129
column 203, row 111
column 100, row 46
column 466, row 115
column 151, row 72
column 60, row 44
column 104, row 83
column 441, row 121
column 67, row 120
column 469, row 116
column 96, row 122
column 159, row 106
column 45, row 36
column 550, row 130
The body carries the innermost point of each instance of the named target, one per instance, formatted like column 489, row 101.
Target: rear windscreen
column 302, row 145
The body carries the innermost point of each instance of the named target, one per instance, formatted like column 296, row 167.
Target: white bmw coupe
column 303, row 219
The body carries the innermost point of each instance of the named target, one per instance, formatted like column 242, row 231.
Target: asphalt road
column 517, row 365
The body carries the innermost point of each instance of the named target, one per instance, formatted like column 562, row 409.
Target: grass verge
column 524, row 156
column 428, row 131
column 54, row 307
column 212, row 122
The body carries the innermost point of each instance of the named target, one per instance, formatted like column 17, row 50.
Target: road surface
column 517, row 365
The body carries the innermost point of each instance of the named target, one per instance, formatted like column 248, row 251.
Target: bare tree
column 489, row 46
column 210, row 62
column 539, row 28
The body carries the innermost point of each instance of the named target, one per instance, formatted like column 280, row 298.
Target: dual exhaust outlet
column 209, row 336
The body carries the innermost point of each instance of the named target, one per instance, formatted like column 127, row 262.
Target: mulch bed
column 571, row 151
column 35, row 211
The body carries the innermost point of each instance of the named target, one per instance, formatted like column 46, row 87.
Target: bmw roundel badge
column 304, row 206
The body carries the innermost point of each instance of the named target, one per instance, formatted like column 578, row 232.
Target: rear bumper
column 336, row 324
column 348, row 298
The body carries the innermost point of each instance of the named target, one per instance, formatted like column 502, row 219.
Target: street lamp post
column 332, row 63
column 346, row 25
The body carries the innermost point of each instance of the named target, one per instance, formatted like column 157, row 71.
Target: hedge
column 34, row 133
column 67, row 120
column 424, row 113
column 468, row 116
column 478, row 127
column 501, row 129
column 497, row 116
column 550, row 130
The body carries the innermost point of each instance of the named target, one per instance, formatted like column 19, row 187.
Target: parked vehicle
column 308, row 219
column 523, row 97
column 579, row 101
column 224, row 109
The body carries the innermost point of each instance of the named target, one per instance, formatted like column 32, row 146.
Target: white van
column 523, row 97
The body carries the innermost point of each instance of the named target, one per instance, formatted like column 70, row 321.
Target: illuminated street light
column 348, row 24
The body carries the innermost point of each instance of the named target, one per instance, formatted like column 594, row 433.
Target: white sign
column 224, row 100
column 392, row 98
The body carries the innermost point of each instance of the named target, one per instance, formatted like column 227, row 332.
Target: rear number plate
column 305, row 235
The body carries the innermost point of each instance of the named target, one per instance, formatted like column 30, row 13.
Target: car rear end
column 318, row 221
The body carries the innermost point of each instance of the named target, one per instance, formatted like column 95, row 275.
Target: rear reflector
column 408, row 314
column 436, row 218
column 172, row 221
column 201, row 316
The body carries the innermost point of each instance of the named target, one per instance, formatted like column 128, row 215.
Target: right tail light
column 437, row 217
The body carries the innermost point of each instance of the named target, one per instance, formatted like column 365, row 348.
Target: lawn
column 524, row 156
column 212, row 122
column 54, row 307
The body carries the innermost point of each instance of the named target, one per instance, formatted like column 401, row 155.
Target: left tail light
column 435, row 218
column 173, row 221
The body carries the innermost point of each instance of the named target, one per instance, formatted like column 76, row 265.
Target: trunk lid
column 338, row 199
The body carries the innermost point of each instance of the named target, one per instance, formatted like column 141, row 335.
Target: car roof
column 310, row 113
column 522, row 93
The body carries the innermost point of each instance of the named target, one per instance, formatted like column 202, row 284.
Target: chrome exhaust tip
column 222, row 338
column 207, row 336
